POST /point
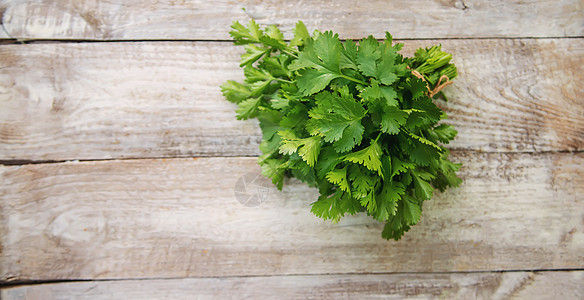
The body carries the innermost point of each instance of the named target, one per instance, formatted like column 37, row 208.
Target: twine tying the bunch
column 439, row 85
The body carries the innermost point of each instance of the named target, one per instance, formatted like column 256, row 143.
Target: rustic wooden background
column 120, row 157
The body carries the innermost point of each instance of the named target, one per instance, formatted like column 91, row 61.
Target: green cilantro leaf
column 338, row 119
column 309, row 147
column 422, row 187
column 339, row 178
column 248, row 108
column 411, row 210
column 377, row 61
column 362, row 183
column 234, row 91
column 327, row 161
column 274, row 169
column 312, row 81
column 373, row 92
column 391, row 119
column 369, row 202
column 389, row 197
column 334, row 207
column 300, row 34
column 398, row 166
column 252, row 54
column 273, row 38
column 416, row 87
column 368, row 157
column 269, row 122
column 328, row 207
column 320, row 61
column 246, row 35
column 444, row 133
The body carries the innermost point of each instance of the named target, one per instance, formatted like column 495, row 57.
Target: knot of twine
column 439, row 85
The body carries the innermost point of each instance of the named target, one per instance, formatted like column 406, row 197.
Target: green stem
column 283, row 80
column 353, row 79
column 289, row 53
column 377, row 138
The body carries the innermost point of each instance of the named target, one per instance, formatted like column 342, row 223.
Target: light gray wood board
column 194, row 217
column 492, row 286
column 210, row 20
column 135, row 100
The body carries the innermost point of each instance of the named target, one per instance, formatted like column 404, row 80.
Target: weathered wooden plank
column 192, row 218
column 492, row 286
column 120, row 100
column 545, row 285
column 139, row 20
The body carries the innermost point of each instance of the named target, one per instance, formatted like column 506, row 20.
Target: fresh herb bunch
column 355, row 120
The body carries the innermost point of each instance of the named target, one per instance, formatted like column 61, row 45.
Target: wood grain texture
column 135, row 100
column 187, row 218
column 491, row 286
column 210, row 20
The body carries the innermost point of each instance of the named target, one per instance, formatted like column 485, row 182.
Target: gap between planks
column 515, row 285
column 45, row 162
column 22, row 283
column 135, row 20
column 80, row 41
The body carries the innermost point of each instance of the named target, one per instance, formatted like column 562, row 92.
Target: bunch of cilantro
column 355, row 120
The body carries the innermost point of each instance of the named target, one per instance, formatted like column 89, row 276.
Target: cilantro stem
column 289, row 53
column 377, row 138
column 283, row 80
column 353, row 79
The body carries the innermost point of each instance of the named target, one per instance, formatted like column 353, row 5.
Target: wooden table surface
column 122, row 165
